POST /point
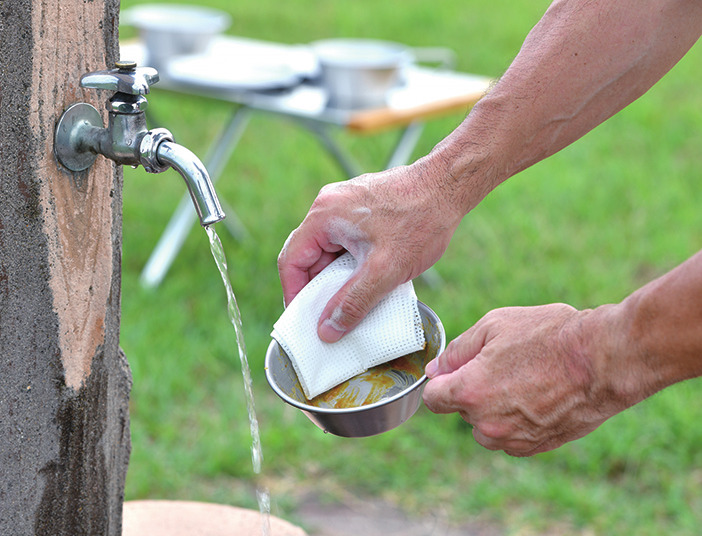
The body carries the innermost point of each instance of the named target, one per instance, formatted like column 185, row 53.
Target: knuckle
column 352, row 311
column 490, row 321
column 517, row 447
column 431, row 398
column 327, row 189
column 494, row 431
column 450, row 359
column 330, row 192
column 464, row 397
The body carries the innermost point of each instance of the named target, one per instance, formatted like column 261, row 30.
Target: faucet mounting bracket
column 71, row 131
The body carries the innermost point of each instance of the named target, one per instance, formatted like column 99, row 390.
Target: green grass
column 586, row 227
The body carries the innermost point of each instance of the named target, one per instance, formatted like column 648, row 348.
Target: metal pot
column 399, row 399
column 174, row 30
column 358, row 73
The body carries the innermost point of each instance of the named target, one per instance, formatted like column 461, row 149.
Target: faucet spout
column 196, row 178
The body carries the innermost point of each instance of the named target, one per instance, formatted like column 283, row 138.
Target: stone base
column 183, row 518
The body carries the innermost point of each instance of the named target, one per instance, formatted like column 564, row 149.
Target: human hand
column 396, row 224
column 526, row 378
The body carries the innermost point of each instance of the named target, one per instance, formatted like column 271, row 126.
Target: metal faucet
column 80, row 136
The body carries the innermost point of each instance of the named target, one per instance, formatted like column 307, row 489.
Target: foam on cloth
column 392, row 329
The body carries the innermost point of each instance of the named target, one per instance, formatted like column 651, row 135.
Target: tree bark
column 64, row 383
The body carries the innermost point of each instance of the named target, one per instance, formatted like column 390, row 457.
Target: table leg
column 184, row 217
column 340, row 155
column 399, row 157
column 405, row 145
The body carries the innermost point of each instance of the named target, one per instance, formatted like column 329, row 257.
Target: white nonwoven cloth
column 392, row 329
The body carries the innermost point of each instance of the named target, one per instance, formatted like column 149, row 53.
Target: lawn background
column 588, row 226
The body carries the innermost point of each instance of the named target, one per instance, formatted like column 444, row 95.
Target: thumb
column 459, row 351
column 354, row 300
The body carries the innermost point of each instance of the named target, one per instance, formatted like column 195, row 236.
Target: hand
column 522, row 376
column 396, row 224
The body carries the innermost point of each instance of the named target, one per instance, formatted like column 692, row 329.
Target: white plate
column 212, row 73
column 238, row 63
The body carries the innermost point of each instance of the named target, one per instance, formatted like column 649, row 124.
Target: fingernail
column 329, row 331
column 432, row 368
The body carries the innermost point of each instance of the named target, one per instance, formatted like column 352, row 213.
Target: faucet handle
column 126, row 77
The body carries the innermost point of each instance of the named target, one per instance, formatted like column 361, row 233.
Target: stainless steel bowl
column 359, row 73
column 374, row 402
column 169, row 30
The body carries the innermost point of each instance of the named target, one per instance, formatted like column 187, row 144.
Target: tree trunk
column 64, row 384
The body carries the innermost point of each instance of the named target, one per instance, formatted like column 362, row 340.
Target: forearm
column 653, row 338
column 583, row 62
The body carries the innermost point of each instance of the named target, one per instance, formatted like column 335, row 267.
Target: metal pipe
column 196, row 178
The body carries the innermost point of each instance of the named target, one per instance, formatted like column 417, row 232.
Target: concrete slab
column 185, row 518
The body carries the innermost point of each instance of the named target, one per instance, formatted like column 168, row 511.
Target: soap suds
column 351, row 236
column 362, row 210
column 333, row 320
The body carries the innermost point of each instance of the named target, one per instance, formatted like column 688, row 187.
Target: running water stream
column 263, row 496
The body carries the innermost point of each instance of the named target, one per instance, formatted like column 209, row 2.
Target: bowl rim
column 358, row 409
column 394, row 54
column 336, row 411
column 189, row 18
